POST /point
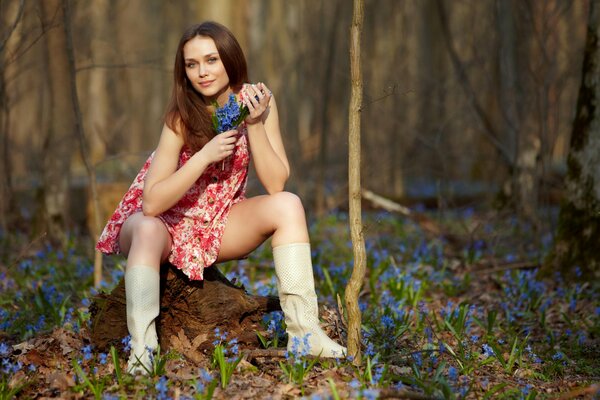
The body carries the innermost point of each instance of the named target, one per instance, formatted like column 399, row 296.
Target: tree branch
column 13, row 26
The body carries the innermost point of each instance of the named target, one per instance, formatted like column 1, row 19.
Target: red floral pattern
column 197, row 221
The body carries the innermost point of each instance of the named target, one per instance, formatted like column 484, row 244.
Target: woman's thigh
column 253, row 220
column 249, row 224
column 145, row 234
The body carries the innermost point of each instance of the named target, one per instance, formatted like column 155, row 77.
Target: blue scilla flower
column 102, row 358
column 87, row 352
column 487, row 350
column 370, row 394
column 370, row 350
column 235, row 348
column 418, row 359
column 306, row 343
column 126, row 342
column 4, row 349
column 205, row 375
column 378, row 373
column 162, row 388
column 452, row 374
column 355, row 384
column 558, row 356
column 295, row 350
column 229, row 115
column 388, row 322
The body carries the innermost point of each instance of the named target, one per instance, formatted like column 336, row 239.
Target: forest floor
column 465, row 316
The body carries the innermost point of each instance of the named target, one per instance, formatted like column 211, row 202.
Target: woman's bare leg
column 281, row 215
column 144, row 240
column 252, row 221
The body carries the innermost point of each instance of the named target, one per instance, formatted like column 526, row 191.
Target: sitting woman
column 187, row 205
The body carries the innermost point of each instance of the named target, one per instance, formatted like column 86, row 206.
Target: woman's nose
column 201, row 70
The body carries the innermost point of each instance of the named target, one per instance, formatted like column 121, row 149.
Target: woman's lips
column 206, row 84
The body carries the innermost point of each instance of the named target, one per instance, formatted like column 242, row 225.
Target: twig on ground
column 592, row 389
column 427, row 224
column 265, row 353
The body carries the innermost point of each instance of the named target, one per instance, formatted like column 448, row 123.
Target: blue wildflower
column 4, row 349
column 126, row 342
column 487, row 350
column 162, row 388
column 378, row 373
column 370, row 394
column 417, row 359
column 370, row 350
column 388, row 322
column 87, row 352
column 355, row 384
column 452, row 373
column 229, row 116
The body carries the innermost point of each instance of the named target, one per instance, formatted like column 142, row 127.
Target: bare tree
column 578, row 236
column 5, row 169
column 354, row 190
column 59, row 138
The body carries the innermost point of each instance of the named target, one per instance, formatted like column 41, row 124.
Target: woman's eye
column 189, row 65
column 212, row 59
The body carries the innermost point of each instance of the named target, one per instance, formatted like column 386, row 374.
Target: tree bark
column 354, row 196
column 189, row 312
column 6, row 192
column 80, row 132
column 578, row 234
column 59, row 141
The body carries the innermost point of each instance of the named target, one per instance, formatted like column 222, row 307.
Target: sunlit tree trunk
column 9, row 22
column 578, row 235
column 59, row 133
column 354, row 194
column 5, row 183
column 98, row 112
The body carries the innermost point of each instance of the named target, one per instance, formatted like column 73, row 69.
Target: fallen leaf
column 60, row 380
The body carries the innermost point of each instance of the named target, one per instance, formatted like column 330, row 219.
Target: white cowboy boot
column 296, row 285
column 142, row 292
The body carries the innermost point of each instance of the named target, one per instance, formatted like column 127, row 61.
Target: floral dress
column 197, row 221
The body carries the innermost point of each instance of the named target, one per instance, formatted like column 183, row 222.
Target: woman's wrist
column 252, row 126
column 200, row 160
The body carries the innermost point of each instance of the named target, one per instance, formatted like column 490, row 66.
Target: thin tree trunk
column 578, row 235
column 6, row 192
column 355, row 219
column 81, row 136
column 320, row 187
column 58, row 144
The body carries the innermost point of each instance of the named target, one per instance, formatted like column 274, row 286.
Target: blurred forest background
column 467, row 102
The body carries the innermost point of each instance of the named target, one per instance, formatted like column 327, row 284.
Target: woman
column 187, row 204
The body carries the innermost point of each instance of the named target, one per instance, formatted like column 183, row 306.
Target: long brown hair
column 188, row 112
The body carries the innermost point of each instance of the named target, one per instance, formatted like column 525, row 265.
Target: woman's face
column 205, row 70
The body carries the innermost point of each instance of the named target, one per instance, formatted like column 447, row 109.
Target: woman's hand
column 220, row 147
column 256, row 97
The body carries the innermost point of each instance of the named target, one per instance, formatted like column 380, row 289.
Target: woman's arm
column 165, row 184
column 268, row 153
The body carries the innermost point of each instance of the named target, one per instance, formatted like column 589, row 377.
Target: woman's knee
column 286, row 205
column 149, row 229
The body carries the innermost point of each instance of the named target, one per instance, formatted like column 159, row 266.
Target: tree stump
column 189, row 312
